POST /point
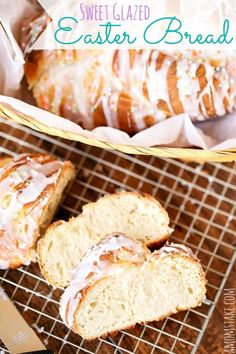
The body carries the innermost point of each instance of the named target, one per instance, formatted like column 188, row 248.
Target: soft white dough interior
column 139, row 295
column 65, row 245
column 49, row 211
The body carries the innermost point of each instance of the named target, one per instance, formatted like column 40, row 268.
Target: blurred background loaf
column 127, row 89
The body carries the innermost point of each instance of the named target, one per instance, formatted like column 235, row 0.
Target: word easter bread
column 167, row 30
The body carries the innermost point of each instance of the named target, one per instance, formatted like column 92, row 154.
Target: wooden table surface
column 213, row 339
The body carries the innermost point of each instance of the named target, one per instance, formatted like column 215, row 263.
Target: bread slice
column 65, row 243
column 31, row 187
column 120, row 283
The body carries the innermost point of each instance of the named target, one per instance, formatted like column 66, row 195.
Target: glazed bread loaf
column 31, row 187
column 120, row 283
column 65, row 243
column 128, row 89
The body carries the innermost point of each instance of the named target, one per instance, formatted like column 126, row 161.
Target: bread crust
column 37, row 61
column 88, row 289
column 4, row 161
column 196, row 91
column 66, row 174
column 53, row 227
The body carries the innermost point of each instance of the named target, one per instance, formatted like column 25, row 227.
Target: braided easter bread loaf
column 129, row 89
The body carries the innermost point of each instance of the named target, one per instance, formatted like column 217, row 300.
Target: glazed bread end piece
column 31, row 187
column 67, row 175
column 109, row 293
column 139, row 216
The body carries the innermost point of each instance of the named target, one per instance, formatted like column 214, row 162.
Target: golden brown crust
column 53, row 227
column 208, row 101
column 102, row 103
column 108, row 105
column 139, row 195
column 76, row 327
column 10, row 254
column 4, row 161
column 39, row 61
column 172, row 81
column 125, row 115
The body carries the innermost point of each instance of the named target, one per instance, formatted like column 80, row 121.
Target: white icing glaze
column 174, row 248
column 188, row 86
column 85, row 77
column 75, row 85
column 24, row 192
column 94, row 267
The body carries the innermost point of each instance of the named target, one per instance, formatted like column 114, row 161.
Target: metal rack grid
column 200, row 200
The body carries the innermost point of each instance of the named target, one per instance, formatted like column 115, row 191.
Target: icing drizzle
column 105, row 258
column 123, row 95
column 26, row 184
column 131, row 89
column 108, row 258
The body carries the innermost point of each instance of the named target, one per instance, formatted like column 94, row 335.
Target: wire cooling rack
column 200, row 200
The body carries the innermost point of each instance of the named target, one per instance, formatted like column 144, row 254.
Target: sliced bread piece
column 65, row 243
column 31, row 187
column 120, row 283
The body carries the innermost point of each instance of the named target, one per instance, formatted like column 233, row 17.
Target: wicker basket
column 187, row 154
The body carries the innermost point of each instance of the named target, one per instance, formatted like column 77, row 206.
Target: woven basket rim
column 190, row 154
